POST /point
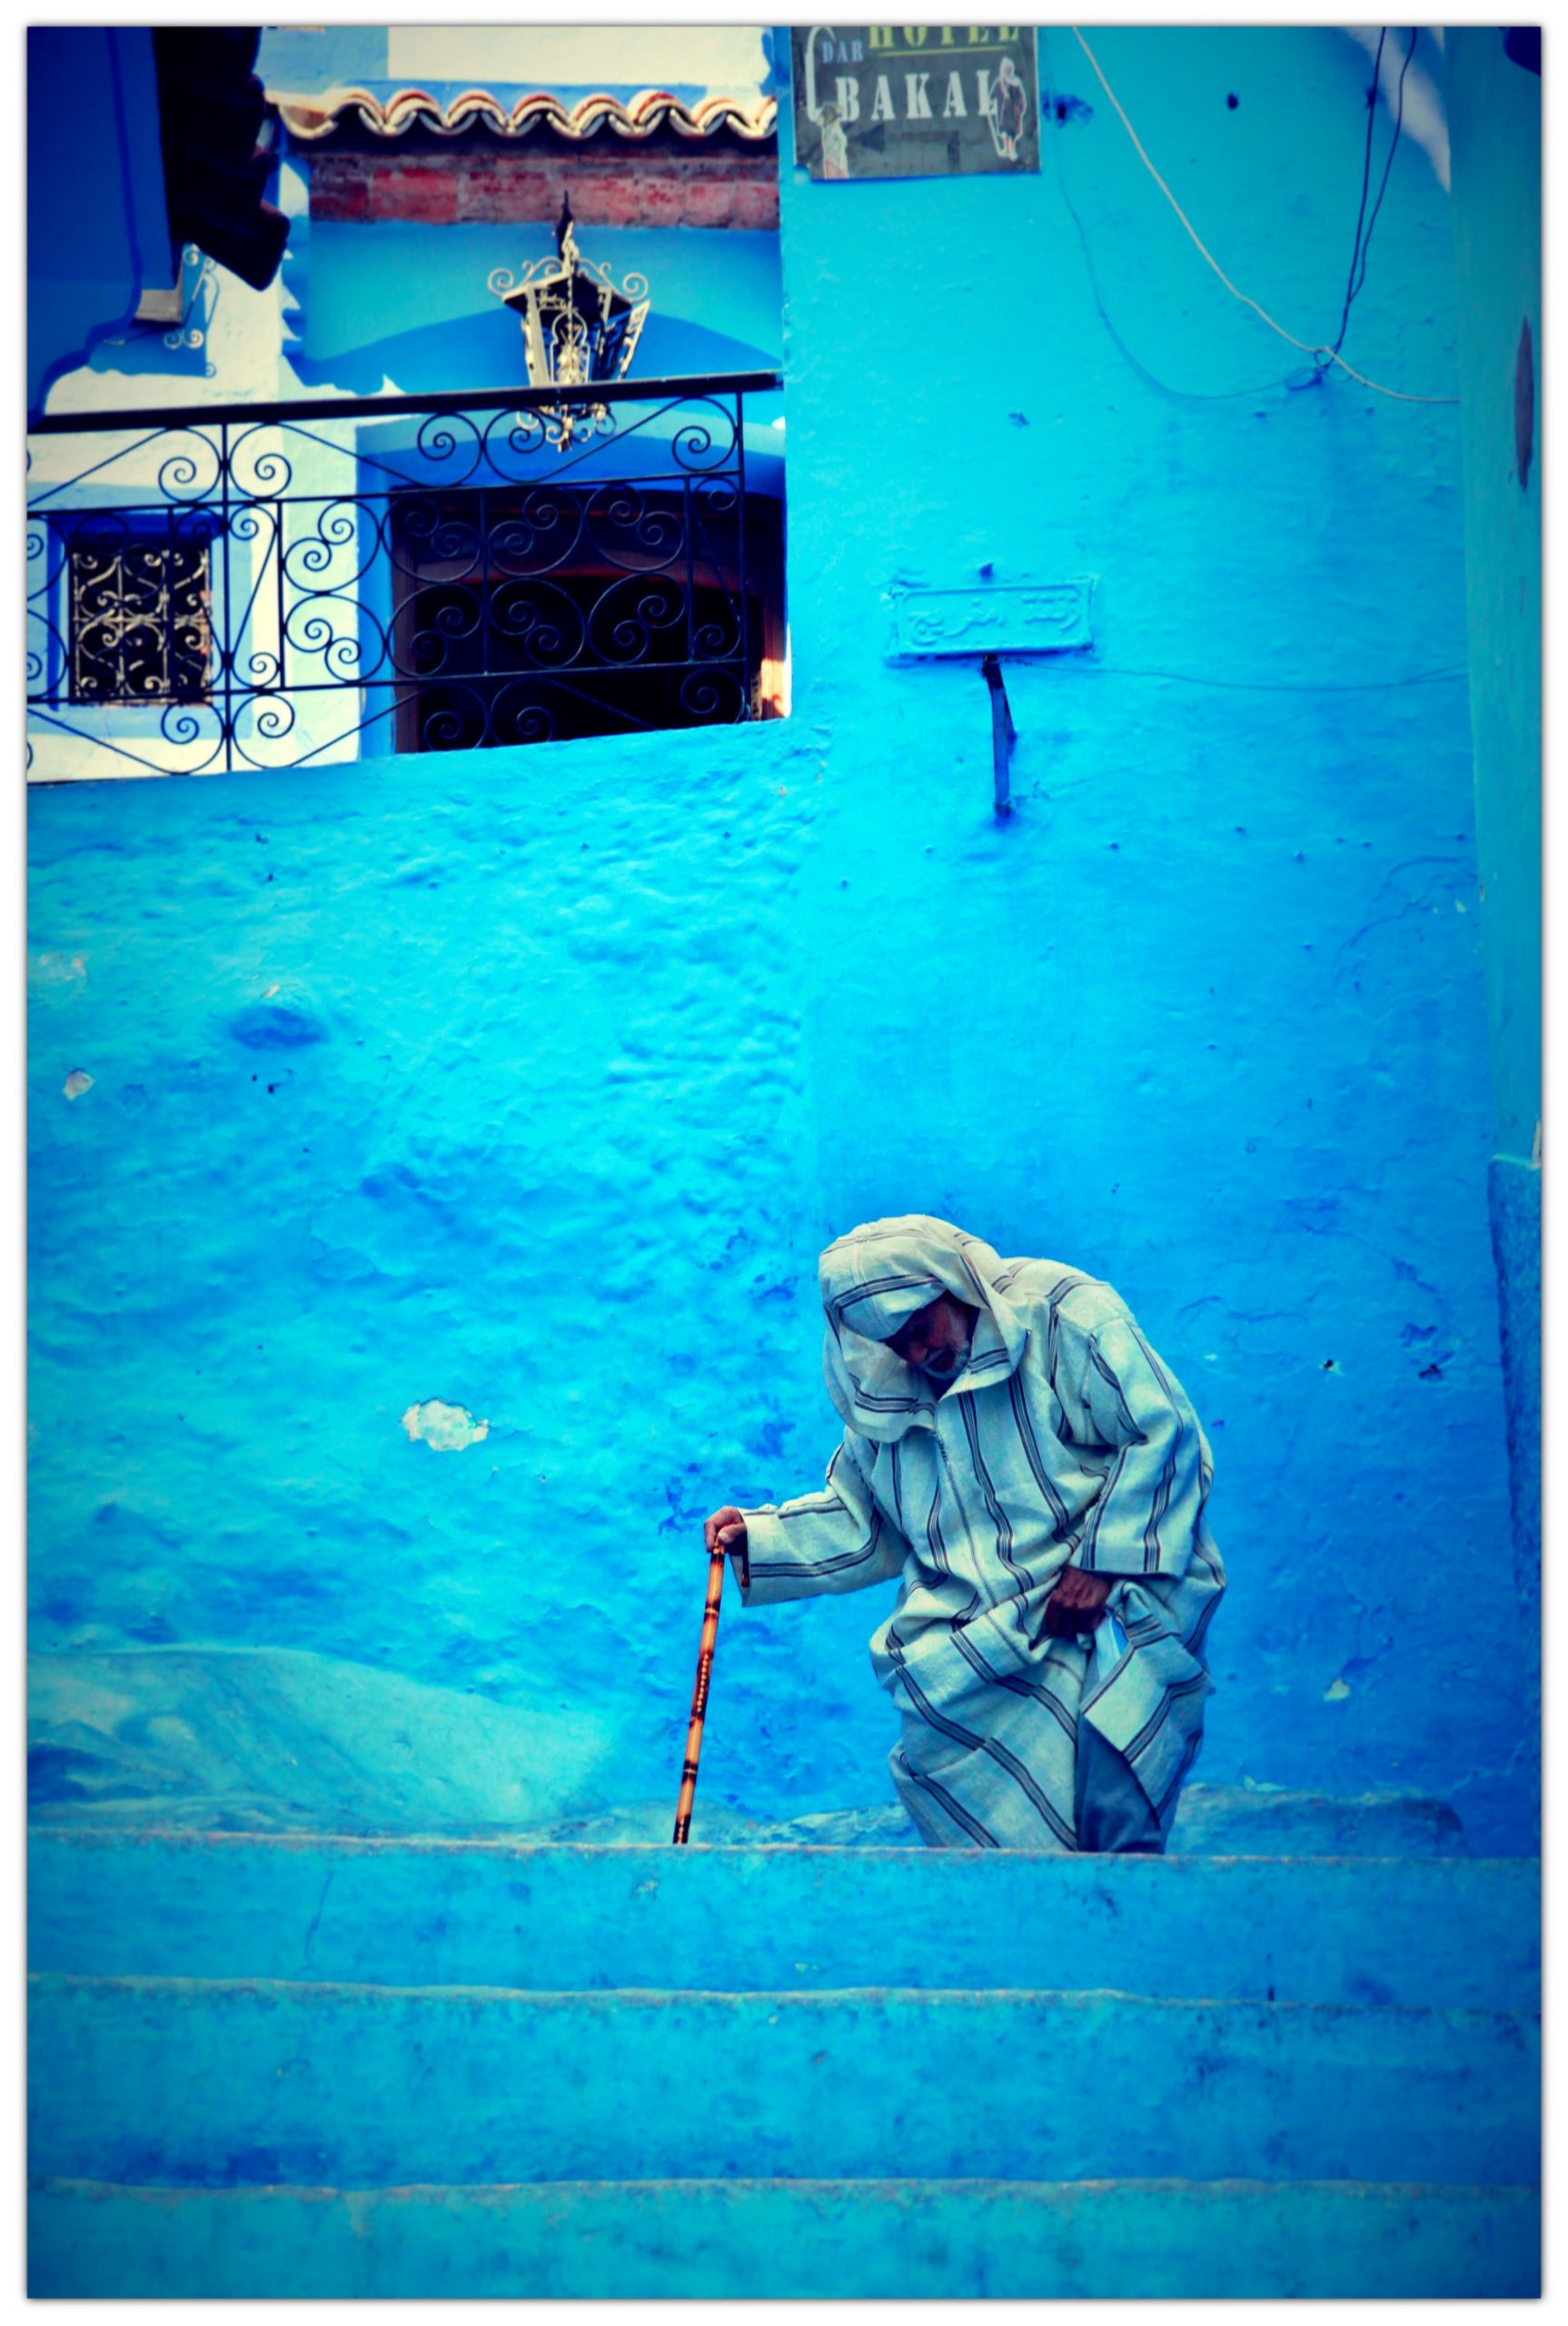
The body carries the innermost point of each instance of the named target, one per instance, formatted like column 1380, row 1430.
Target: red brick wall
column 489, row 184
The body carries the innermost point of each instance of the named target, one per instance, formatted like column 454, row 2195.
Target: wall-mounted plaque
column 915, row 101
column 991, row 617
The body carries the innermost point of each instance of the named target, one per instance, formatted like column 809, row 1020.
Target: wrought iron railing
column 272, row 584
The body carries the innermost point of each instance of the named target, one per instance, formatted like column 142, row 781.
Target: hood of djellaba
column 878, row 1275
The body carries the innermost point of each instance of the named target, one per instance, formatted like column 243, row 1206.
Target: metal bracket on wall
column 982, row 621
column 1004, row 735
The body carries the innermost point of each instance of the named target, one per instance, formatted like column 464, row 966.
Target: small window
column 140, row 596
column 555, row 612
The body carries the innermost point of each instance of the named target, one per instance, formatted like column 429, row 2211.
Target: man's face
column 937, row 1338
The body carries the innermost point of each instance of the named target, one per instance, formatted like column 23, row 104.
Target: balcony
column 279, row 585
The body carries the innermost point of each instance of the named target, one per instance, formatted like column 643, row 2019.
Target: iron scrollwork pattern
column 140, row 612
column 275, row 586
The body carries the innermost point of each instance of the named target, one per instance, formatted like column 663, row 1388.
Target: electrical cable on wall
column 1303, row 375
column 1289, row 686
column 1321, row 354
column 1388, row 165
column 1355, row 280
column 1350, row 282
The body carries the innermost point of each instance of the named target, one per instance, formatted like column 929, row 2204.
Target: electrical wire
column 1388, row 165
column 1355, row 280
column 1350, row 282
column 1286, row 686
column 1303, row 376
column 1318, row 354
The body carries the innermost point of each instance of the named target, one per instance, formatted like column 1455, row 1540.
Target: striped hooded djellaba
column 1063, row 1439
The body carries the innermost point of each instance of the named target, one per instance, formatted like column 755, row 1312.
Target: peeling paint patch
column 447, row 1428
column 75, row 1082
column 53, row 977
column 1337, row 1692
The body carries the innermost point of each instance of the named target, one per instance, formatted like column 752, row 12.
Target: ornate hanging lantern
column 578, row 327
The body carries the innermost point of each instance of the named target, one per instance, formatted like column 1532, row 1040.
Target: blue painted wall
column 97, row 227
column 533, row 1084
column 1495, row 107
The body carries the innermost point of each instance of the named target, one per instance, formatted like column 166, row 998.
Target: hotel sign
column 915, row 101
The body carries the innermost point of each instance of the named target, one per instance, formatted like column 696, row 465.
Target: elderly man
column 1016, row 1455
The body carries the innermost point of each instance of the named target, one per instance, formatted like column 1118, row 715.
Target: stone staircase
column 271, row 2065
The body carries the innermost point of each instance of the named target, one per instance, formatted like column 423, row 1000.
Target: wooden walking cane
column 699, row 1694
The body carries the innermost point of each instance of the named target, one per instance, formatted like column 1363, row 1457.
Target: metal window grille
column 561, row 612
column 141, row 612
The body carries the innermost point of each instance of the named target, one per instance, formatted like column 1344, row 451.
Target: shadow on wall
column 267, row 1740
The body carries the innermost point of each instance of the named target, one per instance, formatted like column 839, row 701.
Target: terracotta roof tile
column 307, row 118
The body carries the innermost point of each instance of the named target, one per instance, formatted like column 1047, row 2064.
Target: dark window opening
column 550, row 614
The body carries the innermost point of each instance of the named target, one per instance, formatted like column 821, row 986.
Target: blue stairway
column 274, row 2066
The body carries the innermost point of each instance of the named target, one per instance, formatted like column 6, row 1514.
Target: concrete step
column 1453, row 1933
column 284, row 1740
column 801, row 2240
column 168, row 2080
